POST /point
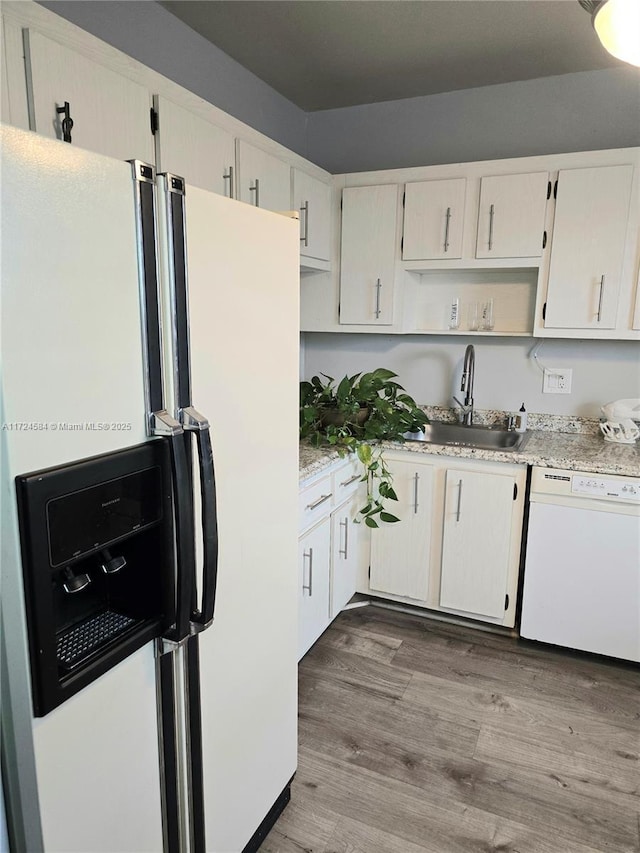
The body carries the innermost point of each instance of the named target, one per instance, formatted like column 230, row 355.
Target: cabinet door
column 400, row 551
column 195, row 149
column 433, row 218
column 346, row 549
column 312, row 198
column 367, row 257
column 313, row 590
column 111, row 114
column 511, row 215
column 476, row 539
column 264, row 181
column 587, row 249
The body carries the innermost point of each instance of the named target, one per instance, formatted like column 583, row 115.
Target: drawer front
column 347, row 479
column 315, row 502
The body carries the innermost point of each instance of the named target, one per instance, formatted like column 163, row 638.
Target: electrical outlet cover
column 557, row 380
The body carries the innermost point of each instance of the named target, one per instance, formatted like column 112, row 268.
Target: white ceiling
column 322, row 54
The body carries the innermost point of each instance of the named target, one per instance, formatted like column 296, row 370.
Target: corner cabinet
column 367, row 268
column 457, row 546
column 587, row 253
column 333, row 548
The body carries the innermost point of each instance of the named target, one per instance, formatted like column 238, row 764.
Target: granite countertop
column 548, row 446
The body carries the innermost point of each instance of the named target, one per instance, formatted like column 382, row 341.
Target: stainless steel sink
column 480, row 437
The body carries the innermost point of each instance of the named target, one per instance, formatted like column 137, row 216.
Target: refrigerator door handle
column 193, row 421
column 166, row 426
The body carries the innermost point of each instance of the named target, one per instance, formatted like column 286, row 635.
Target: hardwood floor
column 422, row 736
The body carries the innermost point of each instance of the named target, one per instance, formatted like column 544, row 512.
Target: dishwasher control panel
column 595, row 486
column 583, row 485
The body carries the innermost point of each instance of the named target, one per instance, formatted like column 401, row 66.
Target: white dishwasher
column 582, row 567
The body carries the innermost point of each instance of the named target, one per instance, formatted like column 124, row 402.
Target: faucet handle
column 465, row 409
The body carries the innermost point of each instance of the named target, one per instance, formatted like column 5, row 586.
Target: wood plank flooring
column 422, row 737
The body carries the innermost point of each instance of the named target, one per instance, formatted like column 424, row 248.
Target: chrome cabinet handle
column 491, row 215
column 446, row 230
column 416, row 477
column 346, row 538
column 459, row 500
column 305, row 209
column 320, row 500
column 228, row 176
column 350, row 480
column 378, row 289
column 308, row 555
column 256, row 189
column 599, row 317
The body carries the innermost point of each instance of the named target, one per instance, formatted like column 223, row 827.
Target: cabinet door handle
column 305, row 238
column 346, row 538
column 446, row 230
column 308, row 555
column 378, row 289
column 491, row 215
column 600, row 299
column 416, row 477
column 256, row 189
column 320, row 500
column 67, row 121
column 228, row 176
column 350, row 480
column 459, row 500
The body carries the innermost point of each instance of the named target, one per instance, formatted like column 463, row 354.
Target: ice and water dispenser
column 97, row 552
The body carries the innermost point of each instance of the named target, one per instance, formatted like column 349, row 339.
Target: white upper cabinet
column 110, row 114
column 312, row 199
column 511, row 215
column 263, row 180
column 200, row 152
column 587, row 249
column 369, row 217
column 433, row 219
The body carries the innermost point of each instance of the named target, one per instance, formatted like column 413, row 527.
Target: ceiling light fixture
column 617, row 23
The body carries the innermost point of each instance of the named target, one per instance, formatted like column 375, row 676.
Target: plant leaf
column 387, row 516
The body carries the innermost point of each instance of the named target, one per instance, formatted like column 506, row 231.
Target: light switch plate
column 557, row 380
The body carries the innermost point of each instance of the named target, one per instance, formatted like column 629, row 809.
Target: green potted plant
column 355, row 416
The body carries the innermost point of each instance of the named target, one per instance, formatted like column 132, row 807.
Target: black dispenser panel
column 98, row 565
column 90, row 519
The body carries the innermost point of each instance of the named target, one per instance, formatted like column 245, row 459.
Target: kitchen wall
column 152, row 35
column 429, row 367
column 572, row 112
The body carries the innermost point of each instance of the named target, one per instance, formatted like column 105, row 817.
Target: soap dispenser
column 521, row 419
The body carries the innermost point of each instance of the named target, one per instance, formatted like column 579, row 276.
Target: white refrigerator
column 188, row 743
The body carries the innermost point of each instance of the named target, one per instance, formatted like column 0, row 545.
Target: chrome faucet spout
column 466, row 385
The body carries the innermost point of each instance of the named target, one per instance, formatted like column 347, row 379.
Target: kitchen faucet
column 466, row 385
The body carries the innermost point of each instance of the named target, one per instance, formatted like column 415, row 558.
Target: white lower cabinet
column 333, row 548
column 314, row 558
column 457, row 546
column 477, row 530
column 400, row 551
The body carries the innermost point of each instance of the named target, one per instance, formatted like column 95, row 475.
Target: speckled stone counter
column 575, row 451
